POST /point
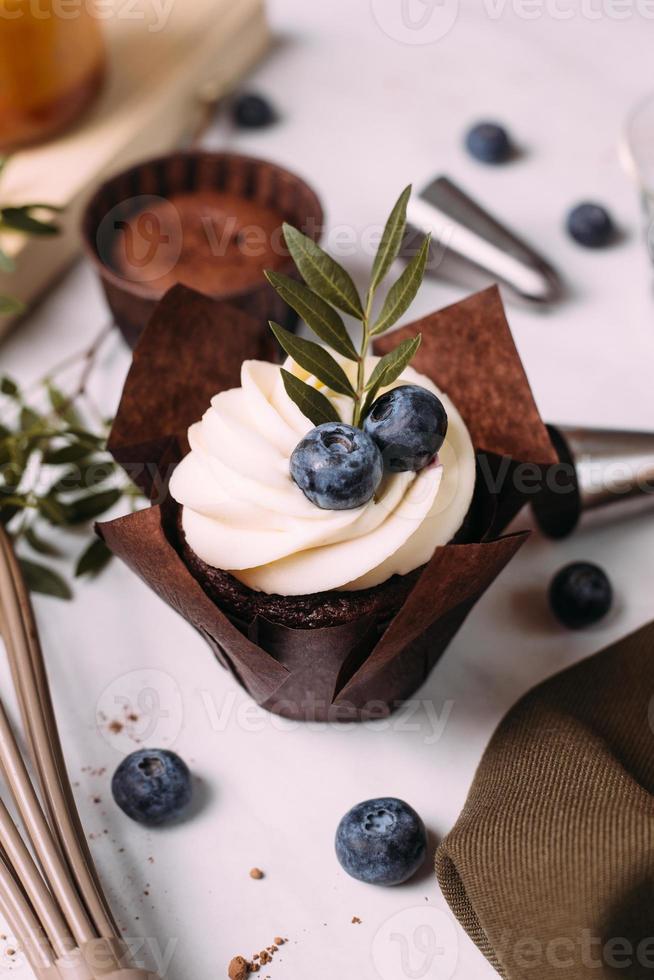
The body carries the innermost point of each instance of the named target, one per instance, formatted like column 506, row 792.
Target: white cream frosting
column 243, row 513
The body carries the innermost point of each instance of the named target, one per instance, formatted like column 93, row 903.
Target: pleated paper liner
column 365, row 667
column 152, row 182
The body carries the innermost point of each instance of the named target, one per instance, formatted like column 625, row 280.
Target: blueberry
column 381, row 842
column 590, row 225
column 409, row 425
column 252, row 111
column 152, row 786
column 580, row 594
column 337, row 466
column 489, row 142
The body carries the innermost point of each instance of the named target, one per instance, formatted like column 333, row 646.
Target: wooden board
column 162, row 72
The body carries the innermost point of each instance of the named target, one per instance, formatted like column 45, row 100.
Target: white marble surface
column 363, row 113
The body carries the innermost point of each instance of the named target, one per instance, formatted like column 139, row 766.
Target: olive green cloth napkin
column 550, row 867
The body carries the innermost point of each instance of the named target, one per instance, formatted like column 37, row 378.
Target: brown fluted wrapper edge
column 550, row 867
column 365, row 667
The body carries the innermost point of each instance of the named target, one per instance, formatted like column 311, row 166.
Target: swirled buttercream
column 242, row 512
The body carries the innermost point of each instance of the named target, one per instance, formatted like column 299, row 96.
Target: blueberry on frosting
column 337, row 466
column 409, row 425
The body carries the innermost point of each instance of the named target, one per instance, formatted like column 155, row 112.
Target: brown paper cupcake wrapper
column 368, row 666
column 116, row 199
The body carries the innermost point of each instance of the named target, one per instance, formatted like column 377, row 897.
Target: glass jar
column 52, row 64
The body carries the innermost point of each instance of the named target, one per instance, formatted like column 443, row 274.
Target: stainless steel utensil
column 473, row 248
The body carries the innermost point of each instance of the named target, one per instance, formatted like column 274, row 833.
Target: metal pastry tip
column 472, row 247
column 599, row 469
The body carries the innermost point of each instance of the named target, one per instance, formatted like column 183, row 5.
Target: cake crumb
column 279, row 941
column 257, row 874
column 239, row 969
column 356, row 921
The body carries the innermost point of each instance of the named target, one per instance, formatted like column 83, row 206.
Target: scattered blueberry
column 337, row 466
column 591, row 225
column 252, row 111
column 580, row 594
column 381, row 842
column 409, row 425
column 489, row 142
column 152, row 786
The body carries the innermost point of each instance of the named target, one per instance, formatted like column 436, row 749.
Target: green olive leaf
column 313, row 404
column 87, row 508
column 315, row 359
column 40, row 578
column 8, row 386
column 316, row 313
column 21, row 219
column 93, row 559
column 63, row 405
column 391, row 240
column 10, row 306
column 403, row 292
column 322, row 273
column 39, row 544
column 74, row 452
column 390, row 367
column 6, row 262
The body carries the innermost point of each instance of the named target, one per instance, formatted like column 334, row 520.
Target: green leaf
column 93, row 559
column 88, row 438
column 52, row 510
column 6, row 262
column 390, row 367
column 322, row 273
column 74, row 452
column 8, row 387
column 403, row 292
column 391, row 240
column 29, row 419
column 86, row 508
column 315, row 359
column 40, row 578
column 316, row 313
column 62, row 405
column 39, row 544
column 9, row 306
column 312, row 403
column 21, row 219
column 83, row 477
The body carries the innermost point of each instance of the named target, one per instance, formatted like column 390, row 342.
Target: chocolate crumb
column 257, row 874
column 116, row 727
column 265, row 957
column 279, row 941
column 356, row 921
column 239, row 969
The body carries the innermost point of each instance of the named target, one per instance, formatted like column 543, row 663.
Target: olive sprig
column 327, row 289
column 56, row 473
column 24, row 219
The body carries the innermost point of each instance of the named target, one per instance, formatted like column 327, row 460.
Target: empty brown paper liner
column 366, row 667
column 550, row 867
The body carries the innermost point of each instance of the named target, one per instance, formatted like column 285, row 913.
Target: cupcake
column 259, row 546
column 327, row 524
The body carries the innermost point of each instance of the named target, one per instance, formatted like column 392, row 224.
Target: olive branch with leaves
column 22, row 219
column 328, row 288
